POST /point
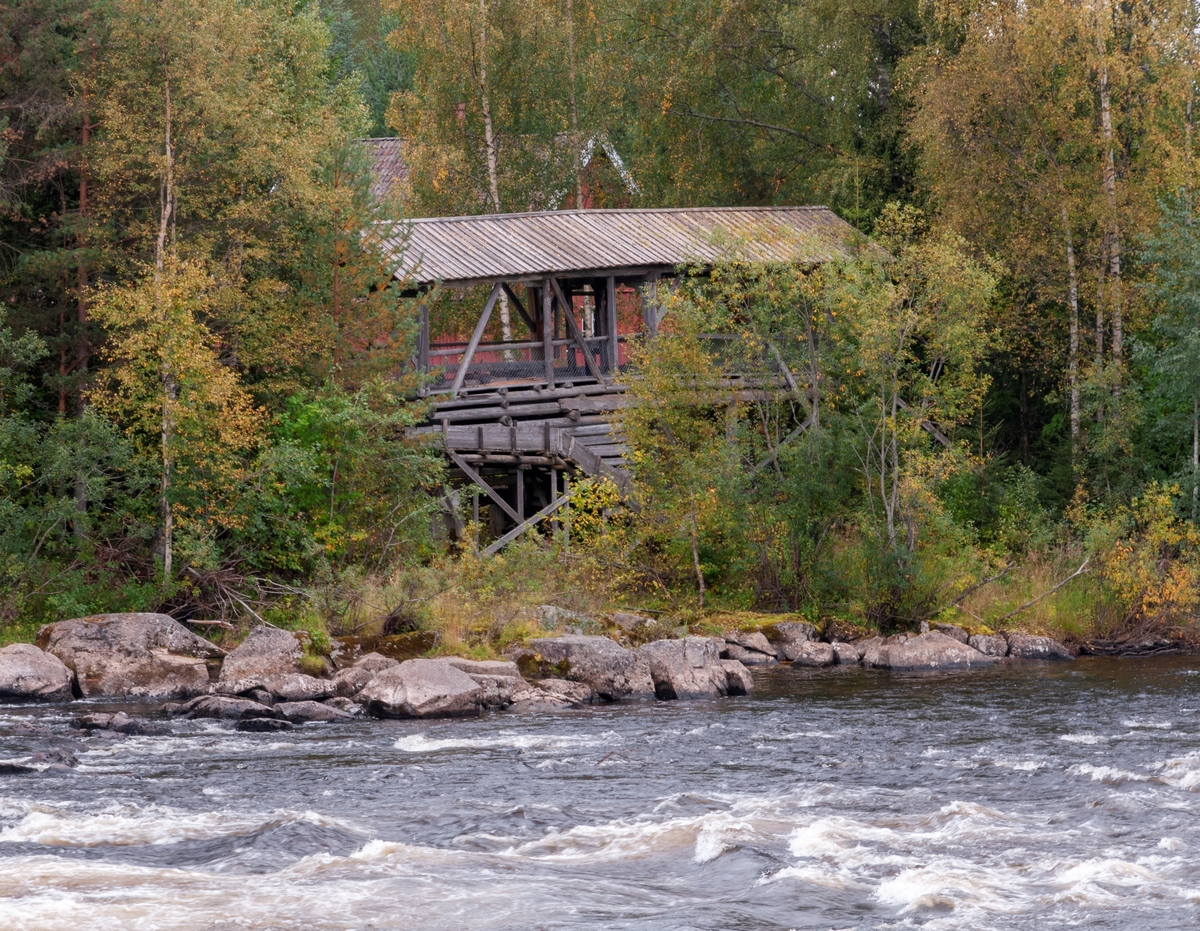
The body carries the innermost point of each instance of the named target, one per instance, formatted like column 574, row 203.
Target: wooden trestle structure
column 520, row 416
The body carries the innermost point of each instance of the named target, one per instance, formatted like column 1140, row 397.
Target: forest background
column 204, row 377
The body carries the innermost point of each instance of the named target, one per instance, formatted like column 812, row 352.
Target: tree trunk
column 696, row 553
column 489, row 145
column 575, row 139
column 1195, row 454
column 82, row 346
column 169, row 387
column 1109, row 179
column 1073, row 345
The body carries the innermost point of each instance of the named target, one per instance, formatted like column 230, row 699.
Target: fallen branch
column 978, row 585
column 1032, row 602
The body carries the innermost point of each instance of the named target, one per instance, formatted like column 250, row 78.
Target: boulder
column 688, row 668
column 787, row 637
column 299, row 687
column 351, row 680
column 119, row 723
column 953, row 630
column 846, row 654
column 263, row 725
column 552, row 695
column 813, row 653
column 988, row 645
column 1030, row 646
column 738, row 680
column 299, row 712
column 749, row 640
column 30, row 674
column 347, row 705
column 499, row 679
column 611, row 671
column 221, row 706
column 262, row 660
column 929, row 651
column 422, row 688
column 629, row 622
column 748, row 657
column 131, row 655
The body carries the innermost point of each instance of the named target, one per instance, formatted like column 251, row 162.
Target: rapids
column 1033, row 796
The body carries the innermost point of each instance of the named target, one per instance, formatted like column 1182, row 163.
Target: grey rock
column 629, row 622
column 225, row 707
column 788, row 637
column 347, row 705
column 499, row 679
column 299, row 687
column 350, row 681
column 929, row 651
column 422, row 688
column 953, row 630
column 131, row 655
column 15, row 769
column 28, row 673
column 846, row 654
column 989, row 645
column 299, row 712
column 263, row 659
column 1030, row 646
column 262, row 696
column 748, row 657
column 814, row 653
column 688, row 668
column 263, row 725
column 552, row 695
column 55, row 757
column 119, row 723
column 738, row 680
column 611, row 671
column 750, row 640
column 552, row 617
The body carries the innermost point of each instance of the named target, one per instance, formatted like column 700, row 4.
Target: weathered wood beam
column 512, row 296
column 477, row 479
column 526, row 525
column 610, row 308
column 576, row 333
column 469, row 352
column 548, row 334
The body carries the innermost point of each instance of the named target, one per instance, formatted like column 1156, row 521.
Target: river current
column 1040, row 796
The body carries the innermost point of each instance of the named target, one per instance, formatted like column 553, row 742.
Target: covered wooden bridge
column 524, row 383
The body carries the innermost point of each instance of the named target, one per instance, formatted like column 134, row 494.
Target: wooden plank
column 475, row 338
column 569, row 314
column 522, row 527
column 476, row 479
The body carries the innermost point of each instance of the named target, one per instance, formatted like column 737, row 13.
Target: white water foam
column 1182, row 772
column 1107, row 774
column 419, row 743
column 1084, row 738
column 126, row 824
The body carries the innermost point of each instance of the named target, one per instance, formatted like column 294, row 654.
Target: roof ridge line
column 611, row 211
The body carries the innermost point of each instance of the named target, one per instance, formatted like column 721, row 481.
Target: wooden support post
column 521, row 492
column 475, row 477
column 576, row 335
column 650, row 305
column 610, row 310
column 567, row 515
column 423, row 348
column 548, row 334
column 461, row 375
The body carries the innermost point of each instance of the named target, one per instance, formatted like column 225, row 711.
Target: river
column 1043, row 796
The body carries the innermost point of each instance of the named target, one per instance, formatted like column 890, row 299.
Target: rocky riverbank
column 270, row 682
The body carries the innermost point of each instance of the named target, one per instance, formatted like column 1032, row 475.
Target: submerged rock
column 131, row 655
column 31, row 674
column 611, row 671
column 989, row 645
column 689, row 668
column 813, row 653
column 119, row 723
column 738, row 680
column 422, row 688
column 929, row 651
column 299, row 712
column 221, row 706
column 263, row 725
column 1030, row 646
column 351, row 680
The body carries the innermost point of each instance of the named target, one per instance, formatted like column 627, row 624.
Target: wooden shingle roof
column 579, row 243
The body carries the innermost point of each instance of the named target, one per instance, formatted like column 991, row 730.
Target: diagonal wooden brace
column 525, row 525
column 477, row 479
column 469, row 353
column 569, row 316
